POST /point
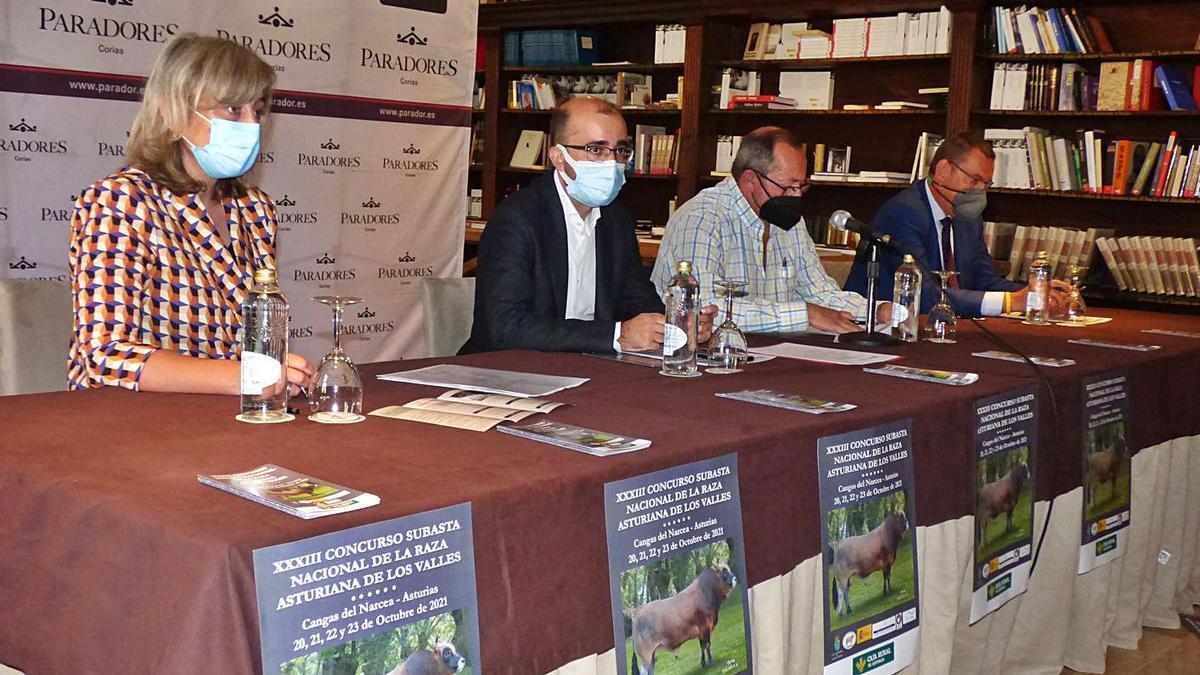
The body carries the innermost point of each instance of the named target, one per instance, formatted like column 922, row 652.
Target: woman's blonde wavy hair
column 189, row 68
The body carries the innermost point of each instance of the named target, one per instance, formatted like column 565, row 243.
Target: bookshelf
column 716, row 31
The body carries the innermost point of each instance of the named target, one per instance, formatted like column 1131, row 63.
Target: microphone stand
column 870, row 337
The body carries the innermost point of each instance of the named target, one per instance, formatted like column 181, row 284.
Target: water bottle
column 906, row 300
column 683, row 316
column 1037, row 302
column 264, row 350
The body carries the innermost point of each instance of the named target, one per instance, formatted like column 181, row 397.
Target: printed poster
column 395, row 596
column 1005, row 448
column 870, row 549
column 1106, row 470
column 677, row 570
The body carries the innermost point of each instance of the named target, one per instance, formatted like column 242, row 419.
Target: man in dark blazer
column 559, row 266
column 938, row 221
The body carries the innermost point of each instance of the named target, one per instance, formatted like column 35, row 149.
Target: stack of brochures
column 476, row 411
column 486, row 380
column 576, row 438
column 778, row 399
column 926, row 374
column 291, row 492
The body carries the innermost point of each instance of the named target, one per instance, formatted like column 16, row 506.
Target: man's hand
column 830, row 320
column 299, row 373
column 1057, row 297
column 883, row 314
column 643, row 333
column 704, row 331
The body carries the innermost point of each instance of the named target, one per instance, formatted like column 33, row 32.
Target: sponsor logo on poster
column 407, row 57
column 22, row 264
column 23, row 146
column 364, row 329
column 286, row 215
column 296, row 332
column 277, row 44
column 115, row 27
column 111, row 148
column 25, row 267
column 328, row 273
column 406, row 270
column 411, row 163
column 328, row 158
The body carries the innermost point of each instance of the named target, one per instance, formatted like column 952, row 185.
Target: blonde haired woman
column 164, row 251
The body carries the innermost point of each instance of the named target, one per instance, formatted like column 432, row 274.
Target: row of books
column 1019, row 244
column 551, row 47
column 1161, row 265
column 1056, row 30
column 1033, row 158
column 1137, row 85
column 905, row 33
column 670, row 42
column 478, row 139
column 654, row 151
column 540, row 92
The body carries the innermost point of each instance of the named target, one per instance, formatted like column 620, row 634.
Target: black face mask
column 782, row 212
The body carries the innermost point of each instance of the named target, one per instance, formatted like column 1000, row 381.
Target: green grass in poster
column 728, row 645
column 866, row 595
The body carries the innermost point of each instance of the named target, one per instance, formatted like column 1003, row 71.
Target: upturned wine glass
column 1076, row 308
column 727, row 349
column 336, row 386
column 941, row 325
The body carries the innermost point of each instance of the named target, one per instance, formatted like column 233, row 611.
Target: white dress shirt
column 993, row 301
column 581, row 261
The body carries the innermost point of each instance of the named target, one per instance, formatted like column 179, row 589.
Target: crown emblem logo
column 366, row 313
column 286, row 201
column 123, row 3
column 371, row 203
column 22, row 126
column 22, row 264
column 276, row 19
column 330, row 145
column 412, row 149
column 326, row 260
column 411, row 38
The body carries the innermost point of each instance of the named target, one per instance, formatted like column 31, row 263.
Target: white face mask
column 595, row 183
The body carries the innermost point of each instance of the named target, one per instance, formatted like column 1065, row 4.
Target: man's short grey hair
column 757, row 152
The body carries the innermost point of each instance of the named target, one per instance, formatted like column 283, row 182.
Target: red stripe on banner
column 113, row 87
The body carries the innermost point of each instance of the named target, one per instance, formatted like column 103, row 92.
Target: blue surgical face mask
column 595, row 183
column 232, row 148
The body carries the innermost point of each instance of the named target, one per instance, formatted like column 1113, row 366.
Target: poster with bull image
column 1005, row 442
column 677, row 571
column 1106, row 470
column 393, row 598
column 868, row 535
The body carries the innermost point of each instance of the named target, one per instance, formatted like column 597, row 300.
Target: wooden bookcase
column 882, row 140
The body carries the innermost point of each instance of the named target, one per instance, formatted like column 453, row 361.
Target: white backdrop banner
column 365, row 152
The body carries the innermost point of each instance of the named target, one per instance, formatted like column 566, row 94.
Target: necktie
column 948, row 251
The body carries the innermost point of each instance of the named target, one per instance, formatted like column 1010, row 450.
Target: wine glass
column 1076, row 308
column 941, row 325
column 727, row 349
column 336, row 387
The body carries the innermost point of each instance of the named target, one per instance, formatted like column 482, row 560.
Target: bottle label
column 259, row 371
column 674, row 338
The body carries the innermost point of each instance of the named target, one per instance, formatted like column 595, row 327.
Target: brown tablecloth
column 116, row 559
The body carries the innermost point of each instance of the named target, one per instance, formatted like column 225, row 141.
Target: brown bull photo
column 443, row 659
column 692, row 613
column 999, row 497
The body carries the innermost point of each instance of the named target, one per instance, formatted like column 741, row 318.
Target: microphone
column 842, row 220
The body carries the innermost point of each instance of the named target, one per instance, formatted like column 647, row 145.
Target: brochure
column 842, row 357
column 654, row 359
column 576, row 438
column 1081, row 321
column 1175, row 333
column 292, row 492
column 469, row 410
column 779, row 399
column 1015, row 358
column 1129, row 346
column 926, row 374
column 488, row 380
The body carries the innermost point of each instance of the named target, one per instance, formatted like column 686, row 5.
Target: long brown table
column 116, row 559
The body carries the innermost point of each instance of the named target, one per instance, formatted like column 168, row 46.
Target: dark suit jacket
column 521, row 285
column 907, row 217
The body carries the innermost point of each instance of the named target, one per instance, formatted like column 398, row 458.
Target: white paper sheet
column 841, row 357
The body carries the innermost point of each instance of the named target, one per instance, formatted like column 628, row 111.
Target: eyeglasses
column 600, row 153
column 979, row 181
column 794, row 190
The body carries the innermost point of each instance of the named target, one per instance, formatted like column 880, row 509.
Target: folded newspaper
column 291, row 492
column 779, row 399
column 576, row 438
column 926, row 374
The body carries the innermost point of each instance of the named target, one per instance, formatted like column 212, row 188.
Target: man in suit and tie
column 559, row 266
column 938, row 221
